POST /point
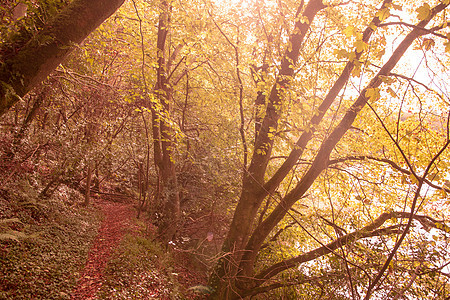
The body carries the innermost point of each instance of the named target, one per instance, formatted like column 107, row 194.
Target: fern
column 201, row 289
column 10, row 220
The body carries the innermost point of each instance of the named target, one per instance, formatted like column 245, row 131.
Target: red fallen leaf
column 110, row 233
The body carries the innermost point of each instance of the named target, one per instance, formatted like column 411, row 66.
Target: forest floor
column 117, row 220
column 125, row 263
column 65, row 251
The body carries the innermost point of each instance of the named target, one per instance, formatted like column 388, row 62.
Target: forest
column 224, row 149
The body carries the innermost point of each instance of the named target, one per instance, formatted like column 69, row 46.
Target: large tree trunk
column 163, row 136
column 23, row 71
column 252, row 193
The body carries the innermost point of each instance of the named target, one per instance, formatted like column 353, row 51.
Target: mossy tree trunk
column 21, row 72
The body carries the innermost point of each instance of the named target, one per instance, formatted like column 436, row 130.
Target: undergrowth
column 141, row 269
column 44, row 244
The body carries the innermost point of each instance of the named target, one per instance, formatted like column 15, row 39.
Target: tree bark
column 252, row 193
column 41, row 55
column 163, row 135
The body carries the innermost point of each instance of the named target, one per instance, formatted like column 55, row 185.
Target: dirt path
column 117, row 220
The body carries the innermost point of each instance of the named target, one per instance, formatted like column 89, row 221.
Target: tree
column 41, row 54
column 238, row 273
column 322, row 108
column 163, row 132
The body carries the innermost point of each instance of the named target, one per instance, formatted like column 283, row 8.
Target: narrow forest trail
column 117, row 221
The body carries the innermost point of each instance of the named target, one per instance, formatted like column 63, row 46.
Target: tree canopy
column 313, row 135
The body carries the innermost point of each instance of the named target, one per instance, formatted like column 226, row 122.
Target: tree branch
column 430, row 31
column 306, row 136
column 388, row 161
column 321, row 160
column 370, row 230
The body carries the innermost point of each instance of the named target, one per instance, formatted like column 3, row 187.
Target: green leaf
column 428, row 44
column 361, row 46
column 392, row 92
column 403, row 178
column 341, row 53
column 383, row 14
column 424, row 12
column 387, row 79
column 356, row 72
column 447, row 44
column 413, row 179
column 304, row 19
column 397, row 6
column 350, row 31
column 373, row 94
